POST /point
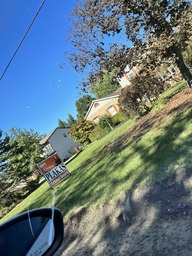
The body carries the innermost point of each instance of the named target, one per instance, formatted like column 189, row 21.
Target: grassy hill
column 139, row 151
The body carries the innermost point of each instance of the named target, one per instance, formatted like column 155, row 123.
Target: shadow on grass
column 165, row 164
column 157, row 150
column 160, row 223
column 96, row 178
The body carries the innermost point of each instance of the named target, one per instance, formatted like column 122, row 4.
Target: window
column 112, row 111
column 48, row 150
column 96, row 120
column 171, row 69
column 130, row 74
column 160, row 77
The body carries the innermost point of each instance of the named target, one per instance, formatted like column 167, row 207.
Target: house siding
column 125, row 80
column 61, row 144
column 102, row 108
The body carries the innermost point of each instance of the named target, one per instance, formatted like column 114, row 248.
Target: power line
column 30, row 25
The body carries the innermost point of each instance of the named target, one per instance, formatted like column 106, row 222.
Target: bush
column 96, row 133
column 118, row 118
column 81, row 130
column 138, row 98
column 160, row 103
column 105, row 123
column 3, row 212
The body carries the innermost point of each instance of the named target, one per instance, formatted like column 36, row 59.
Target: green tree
column 62, row 123
column 71, row 120
column 20, row 156
column 188, row 55
column 81, row 130
column 4, row 147
column 105, row 85
column 153, row 32
column 25, row 153
column 82, row 106
column 4, row 185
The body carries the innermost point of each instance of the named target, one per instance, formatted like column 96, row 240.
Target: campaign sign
column 53, row 169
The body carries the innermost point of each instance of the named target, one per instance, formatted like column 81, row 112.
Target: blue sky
column 35, row 91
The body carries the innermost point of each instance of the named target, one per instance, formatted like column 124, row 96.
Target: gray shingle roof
column 46, row 138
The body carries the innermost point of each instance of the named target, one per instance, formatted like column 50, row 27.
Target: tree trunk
column 185, row 72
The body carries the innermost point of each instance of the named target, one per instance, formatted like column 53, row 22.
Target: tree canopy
column 82, row 106
column 71, row 120
column 135, row 99
column 4, row 147
column 105, row 85
column 188, row 54
column 153, row 31
column 62, row 124
column 19, row 154
column 81, row 130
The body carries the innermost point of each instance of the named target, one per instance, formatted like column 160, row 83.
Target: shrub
column 159, row 104
column 81, row 130
column 137, row 98
column 118, row 118
column 96, row 133
column 105, row 123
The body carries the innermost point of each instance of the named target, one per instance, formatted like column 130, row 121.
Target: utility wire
column 36, row 14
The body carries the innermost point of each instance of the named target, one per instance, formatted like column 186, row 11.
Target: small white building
column 60, row 141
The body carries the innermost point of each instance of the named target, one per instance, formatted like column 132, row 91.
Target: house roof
column 46, row 138
column 115, row 94
column 111, row 95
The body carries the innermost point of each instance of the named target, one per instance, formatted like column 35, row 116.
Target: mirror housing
column 37, row 232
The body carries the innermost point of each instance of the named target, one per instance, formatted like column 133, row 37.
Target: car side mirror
column 37, row 232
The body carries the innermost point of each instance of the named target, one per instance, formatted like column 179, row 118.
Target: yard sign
column 53, row 169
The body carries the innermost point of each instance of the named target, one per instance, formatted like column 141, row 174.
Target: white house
column 165, row 74
column 129, row 74
column 59, row 141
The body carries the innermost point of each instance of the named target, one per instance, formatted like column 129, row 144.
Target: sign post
column 53, row 169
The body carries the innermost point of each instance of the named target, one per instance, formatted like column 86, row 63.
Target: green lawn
column 165, row 96
column 119, row 162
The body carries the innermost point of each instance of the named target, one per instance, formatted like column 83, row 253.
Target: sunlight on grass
column 165, row 96
column 173, row 90
column 118, row 162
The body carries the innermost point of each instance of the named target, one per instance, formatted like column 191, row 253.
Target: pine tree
column 62, row 123
column 19, row 154
column 82, row 106
column 70, row 120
